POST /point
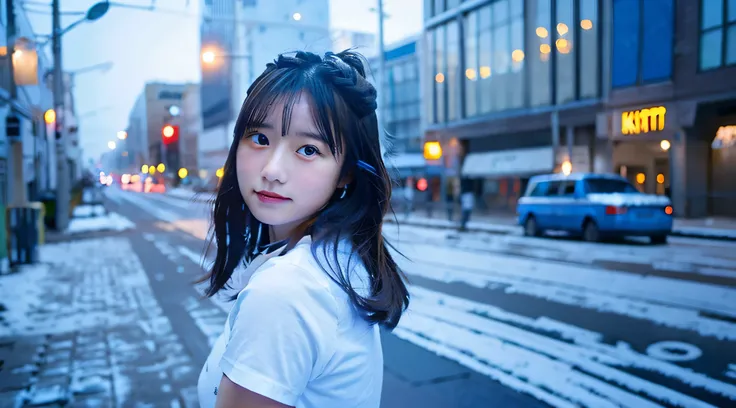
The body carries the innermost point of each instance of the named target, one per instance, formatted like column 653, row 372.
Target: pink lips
column 270, row 197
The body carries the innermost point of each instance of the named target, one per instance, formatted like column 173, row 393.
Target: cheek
column 246, row 164
column 320, row 181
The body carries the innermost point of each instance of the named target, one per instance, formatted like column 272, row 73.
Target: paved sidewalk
column 83, row 329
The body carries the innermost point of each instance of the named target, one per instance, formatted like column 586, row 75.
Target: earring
column 344, row 191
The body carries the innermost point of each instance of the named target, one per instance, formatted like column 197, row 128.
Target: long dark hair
column 344, row 109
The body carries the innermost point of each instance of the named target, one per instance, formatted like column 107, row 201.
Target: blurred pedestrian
column 467, row 202
column 450, row 203
column 297, row 224
column 408, row 197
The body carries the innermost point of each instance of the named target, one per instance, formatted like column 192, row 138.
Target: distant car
column 594, row 206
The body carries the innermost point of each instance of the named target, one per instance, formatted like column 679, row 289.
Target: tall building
column 508, row 84
column 643, row 88
column 238, row 39
column 364, row 43
column 158, row 105
column 671, row 111
column 402, row 94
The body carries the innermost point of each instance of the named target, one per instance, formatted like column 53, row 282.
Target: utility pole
column 19, row 195
column 62, row 168
column 381, row 72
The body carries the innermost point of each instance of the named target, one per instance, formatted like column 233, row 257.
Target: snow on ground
column 715, row 258
column 418, row 220
column 508, row 347
column 108, row 222
column 89, row 210
column 182, row 192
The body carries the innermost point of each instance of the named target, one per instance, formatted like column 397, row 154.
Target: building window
column 588, row 54
column 470, row 34
column 439, row 6
column 643, row 33
column 440, row 74
column 430, row 71
column 539, row 50
column 501, row 51
column 451, row 79
column 717, row 33
column 484, row 58
column 566, row 50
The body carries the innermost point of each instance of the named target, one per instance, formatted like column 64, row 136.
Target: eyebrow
column 309, row 135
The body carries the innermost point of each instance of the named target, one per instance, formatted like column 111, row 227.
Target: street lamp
column 94, row 13
column 122, row 135
column 112, row 145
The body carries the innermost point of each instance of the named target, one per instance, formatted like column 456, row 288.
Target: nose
column 275, row 168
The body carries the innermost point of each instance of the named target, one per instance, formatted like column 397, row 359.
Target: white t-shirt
column 293, row 335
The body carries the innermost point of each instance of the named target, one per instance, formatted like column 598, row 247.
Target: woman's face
column 286, row 179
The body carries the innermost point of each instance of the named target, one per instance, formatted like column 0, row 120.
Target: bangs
column 286, row 86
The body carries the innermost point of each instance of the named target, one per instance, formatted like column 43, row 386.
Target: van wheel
column 591, row 232
column 530, row 227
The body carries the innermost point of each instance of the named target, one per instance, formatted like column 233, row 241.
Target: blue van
column 594, row 206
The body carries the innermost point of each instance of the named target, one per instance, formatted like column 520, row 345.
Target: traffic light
column 170, row 134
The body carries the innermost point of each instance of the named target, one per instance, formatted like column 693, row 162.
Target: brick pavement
column 83, row 329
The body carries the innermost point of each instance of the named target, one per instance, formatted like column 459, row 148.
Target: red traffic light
column 170, row 133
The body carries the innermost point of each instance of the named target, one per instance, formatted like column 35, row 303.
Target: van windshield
column 608, row 186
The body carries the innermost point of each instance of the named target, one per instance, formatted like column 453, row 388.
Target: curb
column 674, row 233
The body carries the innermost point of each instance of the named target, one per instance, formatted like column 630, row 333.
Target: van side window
column 540, row 190
column 568, row 188
column 554, row 189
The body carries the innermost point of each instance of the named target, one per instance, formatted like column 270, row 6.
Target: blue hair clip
column 367, row 167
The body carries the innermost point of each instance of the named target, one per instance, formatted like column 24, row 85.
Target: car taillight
column 668, row 210
column 614, row 210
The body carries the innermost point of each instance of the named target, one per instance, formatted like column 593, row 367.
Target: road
column 499, row 320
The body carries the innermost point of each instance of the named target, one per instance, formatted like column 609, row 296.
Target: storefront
column 683, row 149
column 722, row 164
column 642, row 138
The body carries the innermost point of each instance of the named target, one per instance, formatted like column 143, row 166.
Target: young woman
column 297, row 225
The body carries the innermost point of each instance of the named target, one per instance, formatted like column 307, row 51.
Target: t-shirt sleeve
column 282, row 332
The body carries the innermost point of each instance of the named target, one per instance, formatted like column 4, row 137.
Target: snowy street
column 495, row 320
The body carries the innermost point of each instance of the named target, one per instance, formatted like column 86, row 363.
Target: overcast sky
column 164, row 46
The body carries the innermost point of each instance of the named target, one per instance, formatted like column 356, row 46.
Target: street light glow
column 122, row 135
column 168, row 131
column 49, row 116
column 208, row 57
column 111, row 145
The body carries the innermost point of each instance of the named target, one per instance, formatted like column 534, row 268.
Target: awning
column 406, row 161
column 509, row 162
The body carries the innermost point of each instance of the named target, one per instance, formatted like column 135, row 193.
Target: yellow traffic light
column 144, row 168
column 161, row 168
column 183, row 173
column 432, row 151
column 49, row 116
column 220, row 172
